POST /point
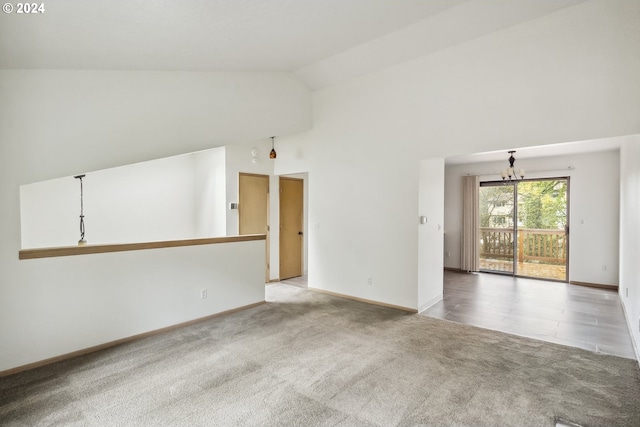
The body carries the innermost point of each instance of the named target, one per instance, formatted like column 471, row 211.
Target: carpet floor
column 310, row 359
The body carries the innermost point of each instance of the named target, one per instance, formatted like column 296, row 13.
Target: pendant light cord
column 272, row 153
column 81, row 206
column 81, row 211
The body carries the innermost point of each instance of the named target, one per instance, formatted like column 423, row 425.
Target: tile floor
column 300, row 282
column 557, row 312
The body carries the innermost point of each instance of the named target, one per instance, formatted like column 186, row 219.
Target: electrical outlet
column 448, row 254
column 203, row 293
column 369, row 281
column 627, row 292
column 604, row 267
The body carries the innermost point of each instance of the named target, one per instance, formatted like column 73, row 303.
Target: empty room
column 355, row 213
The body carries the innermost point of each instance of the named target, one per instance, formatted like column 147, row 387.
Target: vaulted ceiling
column 322, row 41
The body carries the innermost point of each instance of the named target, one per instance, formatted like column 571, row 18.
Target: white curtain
column 470, row 223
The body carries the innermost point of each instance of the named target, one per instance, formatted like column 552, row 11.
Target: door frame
column 302, row 222
column 268, row 230
column 515, row 183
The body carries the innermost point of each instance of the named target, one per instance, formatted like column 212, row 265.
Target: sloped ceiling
column 322, row 41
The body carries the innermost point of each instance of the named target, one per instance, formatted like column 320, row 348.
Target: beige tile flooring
column 300, row 282
column 557, row 312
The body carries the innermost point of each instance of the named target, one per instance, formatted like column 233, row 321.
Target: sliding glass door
column 524, row 228
column 497, row 227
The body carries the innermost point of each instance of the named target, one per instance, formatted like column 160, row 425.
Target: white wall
column 210, row 199
column 430, row 235
column 178, row 197
column 572, row 75
column 594, row 199
column 49, row 213
column 361, row 223
column 120, row 294
column 630, row 236
column 136, row 203
column 59, row 123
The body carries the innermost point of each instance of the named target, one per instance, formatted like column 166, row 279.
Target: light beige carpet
column 310, row 359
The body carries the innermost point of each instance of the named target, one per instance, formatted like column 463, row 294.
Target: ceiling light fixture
column 510, row 172
column 81, row 242
column 272, row 153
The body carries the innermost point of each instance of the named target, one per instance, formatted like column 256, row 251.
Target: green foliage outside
column 541, row 204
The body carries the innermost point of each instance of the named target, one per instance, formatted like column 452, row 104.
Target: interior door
column 291, row 227
column 253, row 208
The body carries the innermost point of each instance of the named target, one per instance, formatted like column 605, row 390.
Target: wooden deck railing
column 547, row 246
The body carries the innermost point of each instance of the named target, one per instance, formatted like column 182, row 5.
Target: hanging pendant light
column 81, row 242
column 272, row 153
column 510, row 172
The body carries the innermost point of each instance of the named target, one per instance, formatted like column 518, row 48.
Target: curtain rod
column 568, row 168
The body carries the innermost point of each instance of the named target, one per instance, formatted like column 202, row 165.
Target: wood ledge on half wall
column 122, row 247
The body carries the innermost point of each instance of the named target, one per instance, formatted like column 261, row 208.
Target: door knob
column 299, row 233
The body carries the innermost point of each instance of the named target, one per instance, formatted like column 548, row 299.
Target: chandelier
column 510, row 172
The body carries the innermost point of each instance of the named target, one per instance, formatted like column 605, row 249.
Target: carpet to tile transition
column 310, row 359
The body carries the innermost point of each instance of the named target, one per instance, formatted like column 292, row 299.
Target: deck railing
column 545, row 246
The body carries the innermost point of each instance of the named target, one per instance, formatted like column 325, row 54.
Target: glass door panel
column 497, row 233
column 542, row 240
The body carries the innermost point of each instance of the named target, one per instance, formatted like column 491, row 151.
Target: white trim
column 634, row 344
column 431, row 302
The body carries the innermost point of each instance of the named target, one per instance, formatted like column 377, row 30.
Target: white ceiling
column 322, row 41
column 199, row 35
column 562, row 149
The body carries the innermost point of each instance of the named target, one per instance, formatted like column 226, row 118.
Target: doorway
column 253, row 209
column 291, row 227
column 524, row 228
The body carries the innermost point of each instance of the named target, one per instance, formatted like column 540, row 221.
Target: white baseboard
column 429, row 303
column 368, row 301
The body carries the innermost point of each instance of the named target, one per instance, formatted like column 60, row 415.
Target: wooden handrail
column 99, row 249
